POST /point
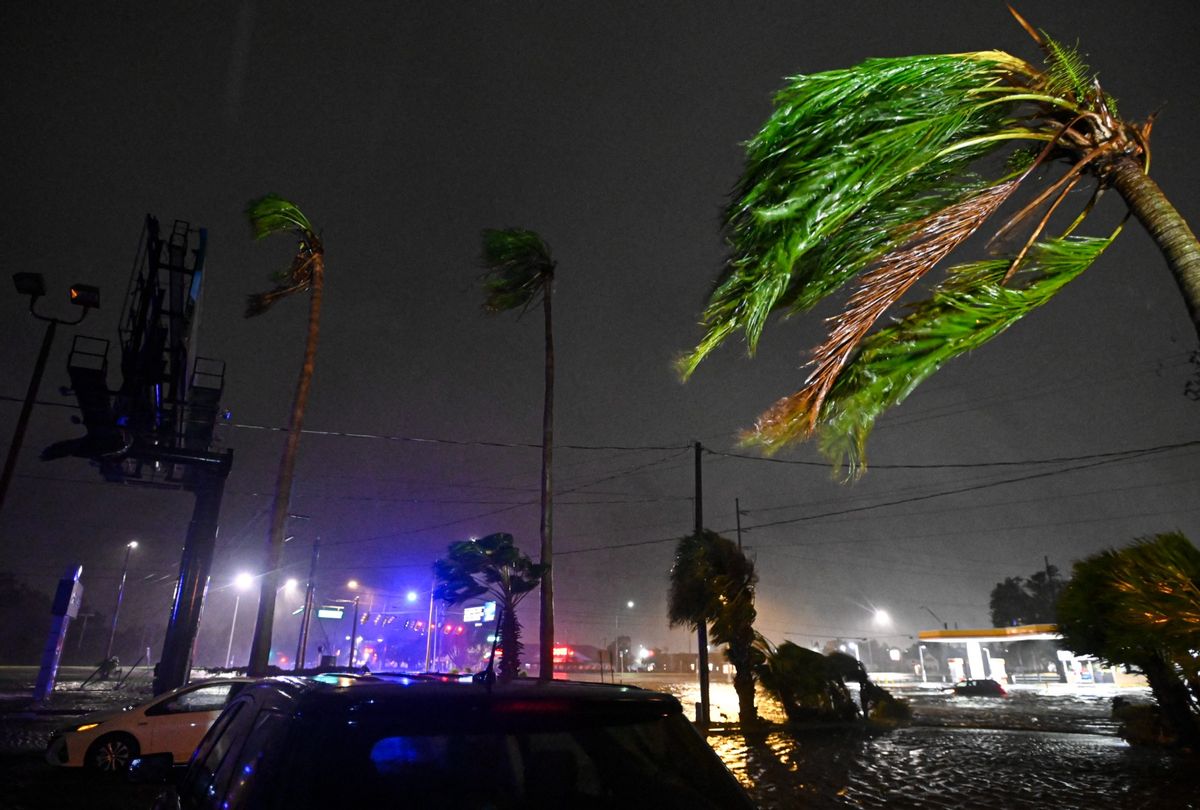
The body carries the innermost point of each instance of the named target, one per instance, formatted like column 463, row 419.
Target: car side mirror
column 152, row 769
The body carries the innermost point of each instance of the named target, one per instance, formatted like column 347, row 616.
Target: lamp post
column 353, row 585
column 241, row 582
column 112, row 634
column 617, row 643
column 34, row 285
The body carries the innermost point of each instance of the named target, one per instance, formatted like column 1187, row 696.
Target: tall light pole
column 309, row 603
column 34, row 285
column 242, row 582
column 112, row 634
column 617, row 643
column 353, row 585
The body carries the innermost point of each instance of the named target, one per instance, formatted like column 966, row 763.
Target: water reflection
column 1030, row 750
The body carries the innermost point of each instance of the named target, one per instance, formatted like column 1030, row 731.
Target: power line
column 971, row 465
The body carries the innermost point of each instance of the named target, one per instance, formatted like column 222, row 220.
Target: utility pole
column 354, row 632
column 429, row 625
column 309, row 604
column 737, row 509
column 112, row 634
column 701, row 627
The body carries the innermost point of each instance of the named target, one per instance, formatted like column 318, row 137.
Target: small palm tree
column 712, row 582
column 519, row 271
column 1140, row 606
column 877, row 173
column 495, row 567
column 270, row 215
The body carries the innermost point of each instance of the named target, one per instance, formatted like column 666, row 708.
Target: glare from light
column 132, row 544
column 882, row 617
column 243, row 581
column 352, row 584
column 629, row 604
column 290, row 585
column 411, row 596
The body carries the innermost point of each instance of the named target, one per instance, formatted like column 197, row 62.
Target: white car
column 173, row 722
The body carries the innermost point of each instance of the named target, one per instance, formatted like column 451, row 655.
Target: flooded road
column 1033, row 749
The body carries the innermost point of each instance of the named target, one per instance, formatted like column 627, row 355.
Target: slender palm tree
column 712, row 581
column 270, row 215
column 491, row 566
column 519, row 271
column 877, row 173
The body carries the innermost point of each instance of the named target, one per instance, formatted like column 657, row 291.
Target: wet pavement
column 1037, row 748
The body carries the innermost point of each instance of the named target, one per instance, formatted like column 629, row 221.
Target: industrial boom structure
column 156, row 429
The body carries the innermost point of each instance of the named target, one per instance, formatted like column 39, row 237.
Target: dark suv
column 413, row 743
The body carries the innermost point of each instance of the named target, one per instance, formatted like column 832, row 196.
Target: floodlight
column 31, row 284
column 85, row 295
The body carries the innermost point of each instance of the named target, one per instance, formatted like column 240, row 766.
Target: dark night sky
column 614, row 131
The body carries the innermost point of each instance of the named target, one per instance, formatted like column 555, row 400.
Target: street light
column 353, row 585
column 617, row 643
column 242, row 582
column 112, row 634
column 34, row 285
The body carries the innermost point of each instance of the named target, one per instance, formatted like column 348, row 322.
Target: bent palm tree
column 270, row 215
column 519, row 271
column 712, row 582
column 875, row 173
column 494, row 566
column 1140, row 606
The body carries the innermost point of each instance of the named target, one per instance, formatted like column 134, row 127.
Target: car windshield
column 659, row 762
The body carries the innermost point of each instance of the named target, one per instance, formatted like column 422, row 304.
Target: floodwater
column 1035, row 748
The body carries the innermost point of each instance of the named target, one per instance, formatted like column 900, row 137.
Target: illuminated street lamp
column 34, row 285
column 242, row 582
column 620, row 655
column 112, row 634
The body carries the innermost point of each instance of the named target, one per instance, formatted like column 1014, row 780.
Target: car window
column 208, row 698
column 256, row 764
column 204, row 780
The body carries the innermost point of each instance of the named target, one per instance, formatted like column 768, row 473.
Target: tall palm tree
column 491, row 566
column 712, row 582
column 519, row 271
column 876, row 173
column 270, row 215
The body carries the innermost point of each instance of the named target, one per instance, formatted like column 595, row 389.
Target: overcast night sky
column 613, row 130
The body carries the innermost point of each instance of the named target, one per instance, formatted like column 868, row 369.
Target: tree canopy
column 874, row 174
column 490, row 566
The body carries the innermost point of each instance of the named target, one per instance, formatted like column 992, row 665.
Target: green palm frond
column 1066, row 74
column 876, row 174
column 273, row 214
column 517, row 266
column 846, row 162
column 969, row 308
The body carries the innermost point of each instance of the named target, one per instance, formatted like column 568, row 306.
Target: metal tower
column 156, row 429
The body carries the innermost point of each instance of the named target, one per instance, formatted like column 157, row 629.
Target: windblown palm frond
column 273, row 214
column 878, row 172
column 518, row 266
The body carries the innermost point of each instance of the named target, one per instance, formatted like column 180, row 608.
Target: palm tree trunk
column 510, row 642
column 1166, row 226
column 261, row 648
column 546, row 637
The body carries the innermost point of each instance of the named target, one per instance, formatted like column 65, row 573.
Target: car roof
column 338, row 693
